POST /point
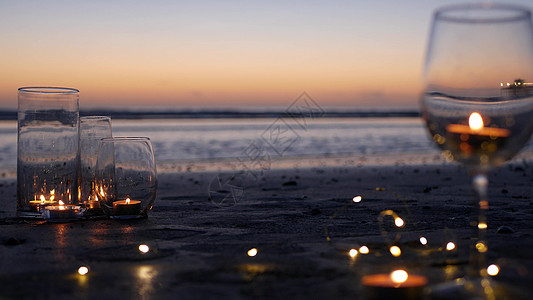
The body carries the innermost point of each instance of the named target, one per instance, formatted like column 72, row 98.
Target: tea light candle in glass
column 126, row 177
column 47, row 147
column 92, row 130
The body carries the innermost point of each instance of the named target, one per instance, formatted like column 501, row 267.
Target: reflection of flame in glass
column 399, row 276
column 61, row 203
column 475, row 121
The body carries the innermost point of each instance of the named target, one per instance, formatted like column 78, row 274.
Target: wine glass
column 478, row 105
column 126, row 177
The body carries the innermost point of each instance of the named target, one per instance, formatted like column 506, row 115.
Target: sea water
column 178, row 140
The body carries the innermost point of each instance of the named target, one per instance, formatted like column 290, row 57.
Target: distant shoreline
column 229, row 114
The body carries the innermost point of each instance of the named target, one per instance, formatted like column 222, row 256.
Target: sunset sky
column 186, row 54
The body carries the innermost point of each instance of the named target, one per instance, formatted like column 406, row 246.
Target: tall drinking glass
column 47, row 148
column 478, row 105
column 92, row 130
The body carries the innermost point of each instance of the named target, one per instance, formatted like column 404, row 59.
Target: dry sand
column 199, row 249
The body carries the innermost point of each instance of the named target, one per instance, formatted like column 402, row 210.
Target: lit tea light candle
column 94, row 204
column 396, row 285
column 36, row 205
column 127, row 207
column 476, row 127
column 61, row 212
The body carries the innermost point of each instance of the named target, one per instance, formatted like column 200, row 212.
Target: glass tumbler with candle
column 126, row 177
column 92, row 130
column 47, row 148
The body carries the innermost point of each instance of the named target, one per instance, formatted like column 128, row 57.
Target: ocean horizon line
column 233, row 114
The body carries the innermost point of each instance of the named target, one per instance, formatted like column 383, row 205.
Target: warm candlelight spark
column 83, row 270
column 399, row 276
column 128, row 200
column 493, row 270
column 481, row 247
column 423, row 241
column 395, row 251
column 482, row 225
column 352, row 253
column 144, row 248
column 364, row 250
column 399, row 222
column 252, row 252
column 450, row 246
column 357, row 199
column 475, row 121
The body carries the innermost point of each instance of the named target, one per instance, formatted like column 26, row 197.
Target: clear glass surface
column 47, row 148
column 126, row 176
column 477, row 104
column 92, row 130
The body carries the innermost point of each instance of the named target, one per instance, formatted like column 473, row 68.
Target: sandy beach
column 299, row 217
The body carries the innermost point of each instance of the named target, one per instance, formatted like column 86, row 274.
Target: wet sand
column 300, row 218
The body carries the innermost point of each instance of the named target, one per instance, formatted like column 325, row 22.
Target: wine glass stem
column 479, row 222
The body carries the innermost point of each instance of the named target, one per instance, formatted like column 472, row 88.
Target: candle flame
column 399, row 276
column 252, row 252
column 43, row 198
column 95, row 197
column 83, row 270
column 61, row 203
column 128, row 200
column 475, row 121
column 52, row 192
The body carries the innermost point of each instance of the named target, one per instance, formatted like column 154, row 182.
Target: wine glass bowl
column 477, row 104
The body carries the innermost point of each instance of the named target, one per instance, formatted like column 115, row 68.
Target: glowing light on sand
column 481, row 247
column 83, row 270
column 357, row 199
column 353, row 253
column 395, row 251
column 399, row 276
column 252, row 252
column 475, row 121
column 364, row 250
column 493, row 270
column 423, row 241
column 450, row 246
column 399, row 222
column 144, row 248
column 482, row 225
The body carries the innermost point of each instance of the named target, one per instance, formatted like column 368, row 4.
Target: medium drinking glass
column 478, row 105
column 92, row 130
column 126, row 177
column 47, row 148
